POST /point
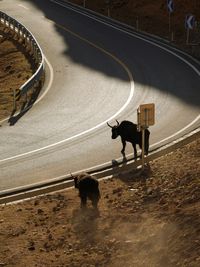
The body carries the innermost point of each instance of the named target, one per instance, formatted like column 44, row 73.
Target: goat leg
column 123, row 148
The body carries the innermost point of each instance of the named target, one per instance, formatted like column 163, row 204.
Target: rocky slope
column 150, row 219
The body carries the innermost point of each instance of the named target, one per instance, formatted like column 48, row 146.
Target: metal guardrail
column 61, row 183
column 26, row 37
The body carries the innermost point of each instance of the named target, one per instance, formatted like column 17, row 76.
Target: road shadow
column 148, row 70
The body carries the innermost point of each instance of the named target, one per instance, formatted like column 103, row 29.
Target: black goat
column 129, row 133
column 88, row 187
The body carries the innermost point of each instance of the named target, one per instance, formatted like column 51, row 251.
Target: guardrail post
column 14, row 99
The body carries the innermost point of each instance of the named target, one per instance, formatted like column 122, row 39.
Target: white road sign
column 170, row 6
column 189, row 21
column 146, row 115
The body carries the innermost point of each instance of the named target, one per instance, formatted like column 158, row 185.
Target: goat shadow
column 117, row 164
column 136, row 175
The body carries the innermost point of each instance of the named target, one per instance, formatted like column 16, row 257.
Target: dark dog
column 88, row 187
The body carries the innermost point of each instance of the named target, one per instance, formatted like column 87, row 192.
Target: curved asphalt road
column 95, row 73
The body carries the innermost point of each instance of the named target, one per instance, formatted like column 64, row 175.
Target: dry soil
column 144, row 220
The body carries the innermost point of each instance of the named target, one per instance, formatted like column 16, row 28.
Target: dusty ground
column 150, row 220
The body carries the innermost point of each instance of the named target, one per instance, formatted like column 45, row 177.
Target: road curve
column 95, row 73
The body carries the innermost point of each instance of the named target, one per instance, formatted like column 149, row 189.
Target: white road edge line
column 50, row 81
column 23, row 6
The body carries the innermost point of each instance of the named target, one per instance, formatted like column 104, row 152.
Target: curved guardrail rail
column 26, row 37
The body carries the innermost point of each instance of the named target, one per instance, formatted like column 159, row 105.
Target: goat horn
column 109, row 125
column 117, row 122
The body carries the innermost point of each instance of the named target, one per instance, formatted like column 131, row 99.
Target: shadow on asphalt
column 148, row 70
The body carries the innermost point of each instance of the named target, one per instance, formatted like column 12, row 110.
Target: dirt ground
column 144, row 220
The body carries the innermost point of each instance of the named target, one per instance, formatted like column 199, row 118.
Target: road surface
column 95, row 73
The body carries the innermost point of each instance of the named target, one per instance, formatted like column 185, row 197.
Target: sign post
column 189, row 25
column 146, row 118
column 137, row 23
column 108, row 2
